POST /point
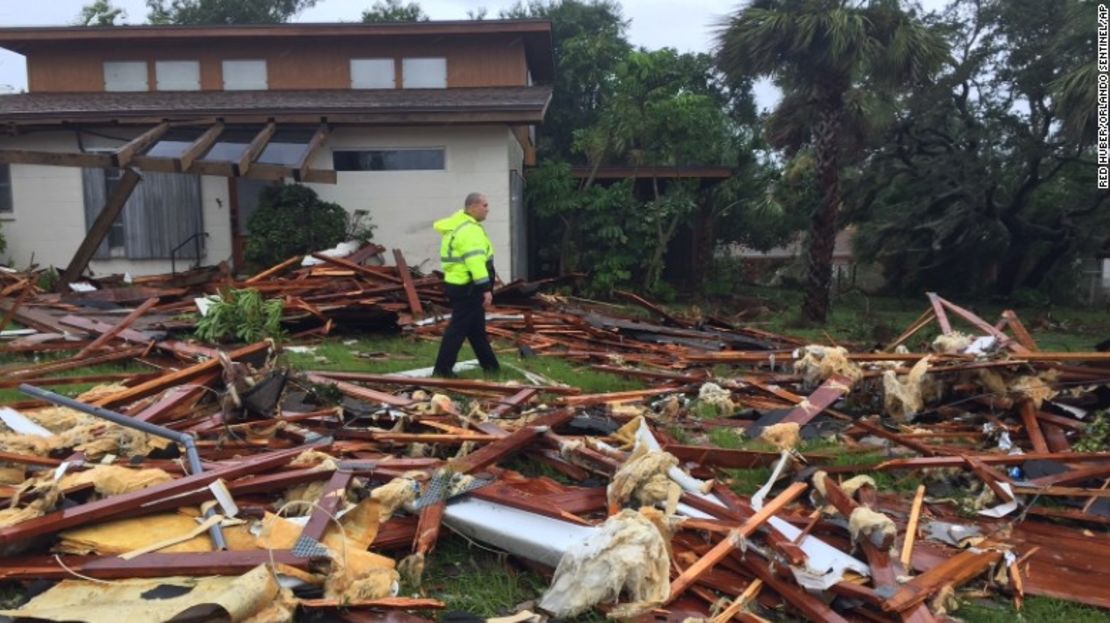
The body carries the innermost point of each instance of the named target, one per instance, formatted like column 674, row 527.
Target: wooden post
column 99, row 229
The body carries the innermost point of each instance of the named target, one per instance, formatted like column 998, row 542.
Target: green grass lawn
column 382, row 355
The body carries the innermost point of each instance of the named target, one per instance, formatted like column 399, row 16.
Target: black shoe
column 444, row 375
column 492, row 371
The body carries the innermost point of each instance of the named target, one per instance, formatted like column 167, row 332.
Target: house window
column 244, row 75
column 390, row 160
column 5, row 188
column 177, row 75
column 162, row 212
column 125, row 76
column 372, row 73
column 424, row 73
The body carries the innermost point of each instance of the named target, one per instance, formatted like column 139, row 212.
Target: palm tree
column 823, row 53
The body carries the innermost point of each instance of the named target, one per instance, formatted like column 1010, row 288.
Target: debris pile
column 222, row 485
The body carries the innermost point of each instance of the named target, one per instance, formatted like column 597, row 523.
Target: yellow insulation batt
column 784, row 435
column 236, row 599
column 902, row 397
column 626, row 556
column 817, row 363
column 643, row 477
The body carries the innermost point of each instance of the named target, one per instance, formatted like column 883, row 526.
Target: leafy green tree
column 822, row 52
column 599, row 229
column 100, row 13
column 394, row 11
column 193, row 12
column 986, row 183
column 589, row 40
column 663, row 109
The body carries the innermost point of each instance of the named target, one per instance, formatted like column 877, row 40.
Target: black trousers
column 468, row 322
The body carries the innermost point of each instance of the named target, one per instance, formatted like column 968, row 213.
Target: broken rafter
column 123, row 156
column 99, row 229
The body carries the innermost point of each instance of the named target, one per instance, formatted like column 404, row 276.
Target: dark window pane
column 231, row 146
column 117, row 236
column 390, row 160
column 5, row 188
column 174, row 142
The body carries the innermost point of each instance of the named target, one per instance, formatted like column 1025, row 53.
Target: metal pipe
column 152, row 429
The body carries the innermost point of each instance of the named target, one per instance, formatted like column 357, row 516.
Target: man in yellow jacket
column 467, row 257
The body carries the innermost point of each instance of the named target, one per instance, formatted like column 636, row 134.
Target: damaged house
column 401, row 120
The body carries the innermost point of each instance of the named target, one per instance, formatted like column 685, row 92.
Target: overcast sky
column 654, row 23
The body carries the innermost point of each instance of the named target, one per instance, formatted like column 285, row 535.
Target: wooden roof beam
column 257, row 144
column 124, row 155
column 314, row 145
column 198, row 148
column 58, row 159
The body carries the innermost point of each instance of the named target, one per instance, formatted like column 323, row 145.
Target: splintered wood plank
column 954, row 571
column 1032, row 427
column 1020, row 332
column 22, row 298
column 406, row 281
column 822, row 398
column 427, row 529
column 924, row 319
column 127, row 321
column 911, row 526
column 326, row 507
column 362, row 393
column 275, row 269
column 183, row 375
column 358, row 268
column 938, row 311
column 176, row 399
column 512, row 403
column 153, row 565
column 726, row 545
column 493, row 452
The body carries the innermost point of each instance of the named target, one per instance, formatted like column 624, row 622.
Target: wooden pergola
column 136, row 156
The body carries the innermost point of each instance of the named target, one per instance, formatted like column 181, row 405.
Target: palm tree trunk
column 822, row 229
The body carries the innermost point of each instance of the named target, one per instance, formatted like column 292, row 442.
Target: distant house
column 401, row 120
column 762, row 264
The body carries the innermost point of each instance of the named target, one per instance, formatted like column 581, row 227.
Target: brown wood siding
column 291, row 65
column 522, row 137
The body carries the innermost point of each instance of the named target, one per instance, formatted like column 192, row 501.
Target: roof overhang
column 648, row 172
column 507, row 105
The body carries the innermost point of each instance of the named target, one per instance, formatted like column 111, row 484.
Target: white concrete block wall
column 48, row 219
column 404, row 204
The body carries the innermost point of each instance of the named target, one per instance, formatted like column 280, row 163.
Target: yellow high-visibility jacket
column 466, row 252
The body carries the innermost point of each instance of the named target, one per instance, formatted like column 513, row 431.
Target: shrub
column 241, row 315
column 293, row 220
